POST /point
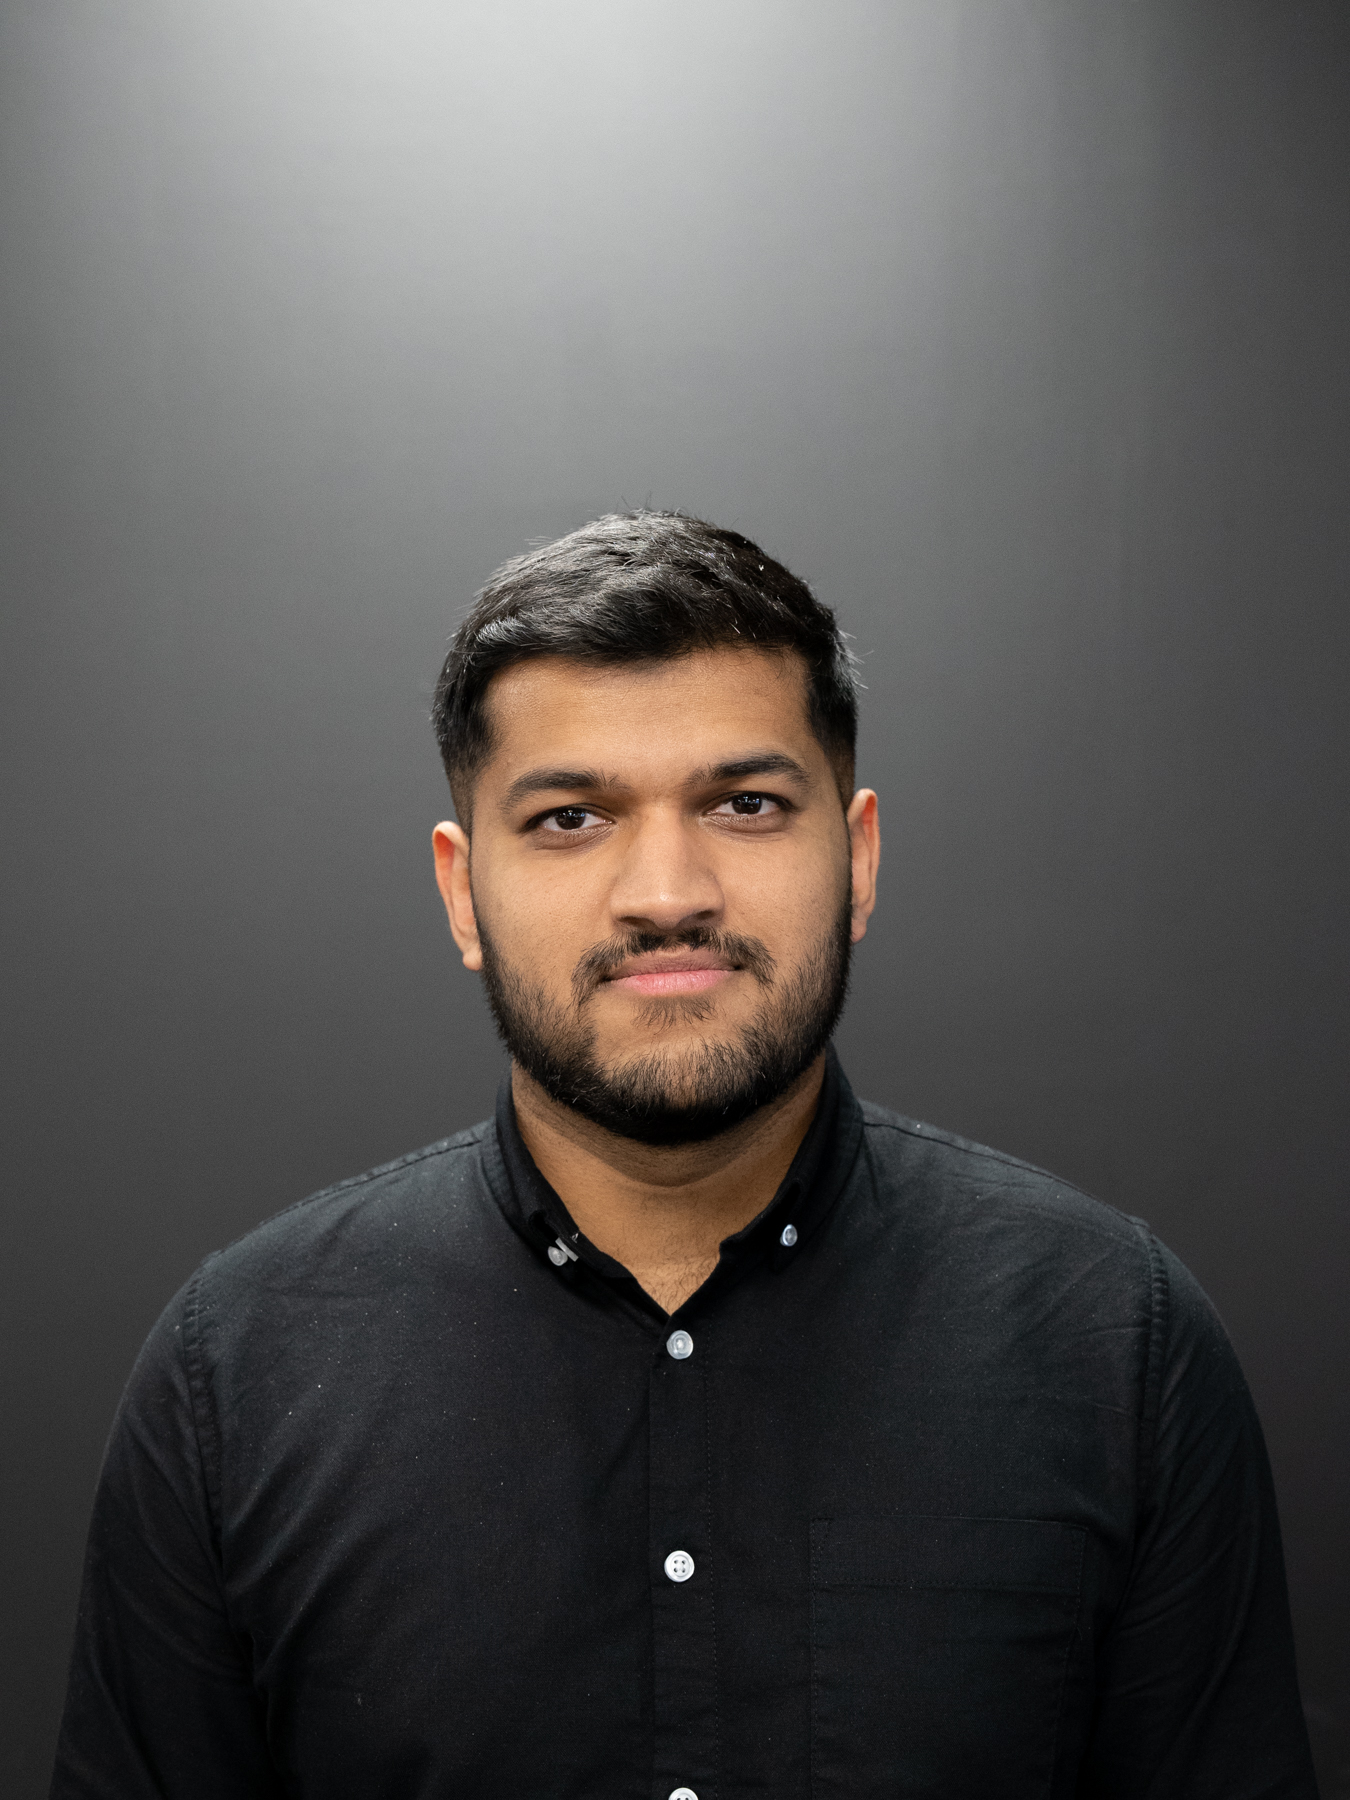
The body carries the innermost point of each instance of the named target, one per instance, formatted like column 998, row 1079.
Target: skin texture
column 602, row 812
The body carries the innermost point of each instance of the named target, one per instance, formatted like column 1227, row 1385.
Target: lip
column 693, row 973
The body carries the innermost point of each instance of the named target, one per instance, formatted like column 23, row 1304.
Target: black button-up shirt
column 400, row 1505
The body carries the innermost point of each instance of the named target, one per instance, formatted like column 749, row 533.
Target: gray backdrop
column 1019, row 327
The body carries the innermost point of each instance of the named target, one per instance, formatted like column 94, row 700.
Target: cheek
column 537, row 920
column 789, row 906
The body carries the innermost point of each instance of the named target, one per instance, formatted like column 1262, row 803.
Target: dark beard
column 705, row 1092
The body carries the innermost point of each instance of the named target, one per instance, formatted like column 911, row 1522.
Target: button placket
column 682, row 1588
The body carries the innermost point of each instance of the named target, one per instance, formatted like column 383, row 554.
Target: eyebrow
column 548, row 781
column 759, row 762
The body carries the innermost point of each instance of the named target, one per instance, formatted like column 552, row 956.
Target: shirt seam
column 708, row 1526
column 928, row 1134
column 463, row 1140
column 1151, row 1407
column 202, row 1422
column 1073, row 1639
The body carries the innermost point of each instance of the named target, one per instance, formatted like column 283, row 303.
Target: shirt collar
column 804, row 1198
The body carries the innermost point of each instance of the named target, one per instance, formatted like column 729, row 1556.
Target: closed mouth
column 694, row 972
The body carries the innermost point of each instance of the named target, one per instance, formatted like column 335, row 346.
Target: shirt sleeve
column 1197, row 1694
column 160, row 1704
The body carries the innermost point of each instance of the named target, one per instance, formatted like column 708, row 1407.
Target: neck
column 663, row 1211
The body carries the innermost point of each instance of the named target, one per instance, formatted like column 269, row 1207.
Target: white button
column 680, row 1345
column 787, row 1237
column 683, row 1794
column 679, row 1565
column 557, row 1255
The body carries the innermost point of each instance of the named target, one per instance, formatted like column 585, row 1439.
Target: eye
column 569, row 818
column 747, row 806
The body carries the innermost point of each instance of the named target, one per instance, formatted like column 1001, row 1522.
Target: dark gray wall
column 1018, row 326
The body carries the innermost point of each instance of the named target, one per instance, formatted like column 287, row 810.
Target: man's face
column 662, row 885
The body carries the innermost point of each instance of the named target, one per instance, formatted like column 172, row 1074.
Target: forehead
column 680, row 712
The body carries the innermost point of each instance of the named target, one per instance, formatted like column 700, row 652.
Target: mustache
column 603, row 960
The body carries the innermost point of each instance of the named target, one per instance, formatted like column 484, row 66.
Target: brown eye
column 568, row 818
column 748, row 806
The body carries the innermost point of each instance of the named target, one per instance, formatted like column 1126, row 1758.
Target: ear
column 864, row 836
column 450, row 846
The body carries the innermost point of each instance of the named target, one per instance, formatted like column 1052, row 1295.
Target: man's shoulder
column 367, row 1220
column 962, row 1184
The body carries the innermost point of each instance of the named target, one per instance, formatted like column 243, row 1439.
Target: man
column 690, row 1430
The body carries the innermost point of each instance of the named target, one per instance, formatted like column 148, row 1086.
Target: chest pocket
column 938, row 1655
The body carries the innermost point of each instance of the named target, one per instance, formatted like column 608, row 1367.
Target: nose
column 666, row 880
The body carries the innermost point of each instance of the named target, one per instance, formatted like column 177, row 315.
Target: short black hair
column 640, row 587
